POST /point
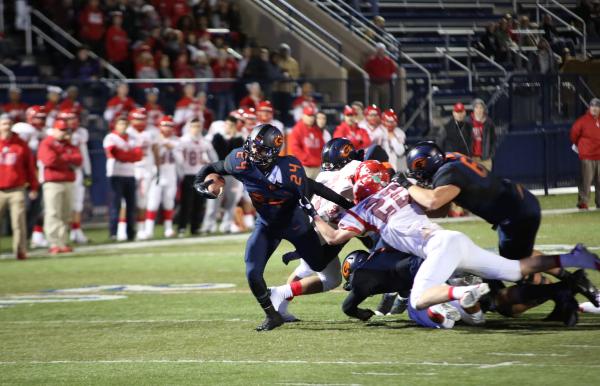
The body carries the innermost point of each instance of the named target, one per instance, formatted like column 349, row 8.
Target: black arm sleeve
column 314, row 187
column 215, row 167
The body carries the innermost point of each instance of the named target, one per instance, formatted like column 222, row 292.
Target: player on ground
column 387, row 208
column 275, row 184
column 163, row 186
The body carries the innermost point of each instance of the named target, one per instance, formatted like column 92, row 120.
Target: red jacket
column 91, row 24
column 380, row 69
column 17, row 165
column 16, row 111
column 226, row 70
column 358, row 136
column 306, row 144
column 585, row 133
column 59, row 159
column 117, row 44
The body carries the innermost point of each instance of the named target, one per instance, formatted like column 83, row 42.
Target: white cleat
column 472, row 296
column 78, row 237
column 445, row 312
column 38, row 240
column 280, row 303
column 141, row 236
column 169, row 233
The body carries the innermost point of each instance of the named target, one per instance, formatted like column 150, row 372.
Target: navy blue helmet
column 263, row 146
column 424, row 159
column 351, row 262
column 337, row 153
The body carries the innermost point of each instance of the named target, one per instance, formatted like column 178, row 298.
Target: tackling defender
column 275, row 185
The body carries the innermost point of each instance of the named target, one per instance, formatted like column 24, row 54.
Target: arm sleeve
column 314, row 187
column 575, row 132
column 73, row 157
column 449, row 176
column 31, row 171
column 215, row 167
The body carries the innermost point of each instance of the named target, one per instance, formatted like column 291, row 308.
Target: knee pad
column 331, row 276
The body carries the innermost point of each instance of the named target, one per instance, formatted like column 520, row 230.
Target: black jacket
column 456, row 136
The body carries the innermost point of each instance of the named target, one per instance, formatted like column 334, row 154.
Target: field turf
column 208, row 337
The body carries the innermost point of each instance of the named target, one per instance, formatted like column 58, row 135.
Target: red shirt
column 91, row 22
column 358, row 136
column 477, row 137
column 226, row 70
column 248, row 102
column 116, row 44
column 69, row 104
column 380, row 69
column 299, row 101
column 17, row 165
column 306, row 144
column 59, row 159
column 16, row 111
column 585, row 133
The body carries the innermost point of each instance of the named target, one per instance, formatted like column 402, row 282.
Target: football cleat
column 580, row 283
column 444, row 314
column 400, row 305
column 566, row 309
column 38, row 240
column 271, row 322
column 169, row 233
column 472, row 296
column 385, row 305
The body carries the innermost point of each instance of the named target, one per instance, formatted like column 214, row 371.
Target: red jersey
column 16, row 111
column 17, row 165
column 116, row 44
column 306, row 144
column 91, row 22
column 59, row 159
column 358, row 136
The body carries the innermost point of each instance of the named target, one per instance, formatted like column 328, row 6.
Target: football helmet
column 351, row 262
column 424, row 159
column 337, row 153
column 36, row 116
column 370, row 177
column 263, row 145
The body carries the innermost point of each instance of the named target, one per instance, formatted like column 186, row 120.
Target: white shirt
column 394, row 146
column 114, row 167
column 197, row 152
column 341, row 182
column 29, row 134
column 145, row 139
column 399, row 220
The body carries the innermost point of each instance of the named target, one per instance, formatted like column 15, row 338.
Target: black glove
column 307, row 207
column 87, row 181
column 359, row 155
column 364, row 314
column 202, row 189
column 401, row 179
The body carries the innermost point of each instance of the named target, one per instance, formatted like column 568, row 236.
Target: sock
column 457, row 292
column 168, row 225
column 296, row 288
column 75, row 225
column 38, row 229
column 149, row 228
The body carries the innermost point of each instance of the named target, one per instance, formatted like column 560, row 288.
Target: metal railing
column 582, row 33
column 9, row 74
column 429, row 97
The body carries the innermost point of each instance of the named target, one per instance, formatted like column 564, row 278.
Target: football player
column 402, row 224
column 275, row 184
column 512, row 210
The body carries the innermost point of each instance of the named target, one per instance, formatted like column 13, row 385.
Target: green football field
column 129, row 334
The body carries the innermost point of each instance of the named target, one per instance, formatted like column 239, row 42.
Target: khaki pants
column 590, row 173
column 58, row 198
column 379, row 94
column 15, row 200
column 312, row 172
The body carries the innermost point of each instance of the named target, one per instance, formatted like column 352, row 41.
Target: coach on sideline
column 17, row 169
column 585, row 134
column 59, row 159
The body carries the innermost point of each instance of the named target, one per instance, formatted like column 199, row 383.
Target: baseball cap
column 309, row 110
column 61, row 124
column 349, row 110
column 458, row 108
column 595, row 102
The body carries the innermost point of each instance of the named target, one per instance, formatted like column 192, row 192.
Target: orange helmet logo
column 418, row 163
column 346, row 270
column 346, row 150
column 278, row 141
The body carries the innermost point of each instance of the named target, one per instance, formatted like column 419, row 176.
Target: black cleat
column 290, row 256
column 271, row 322
column 386, row 303
column 580, row 283
column 566, row 309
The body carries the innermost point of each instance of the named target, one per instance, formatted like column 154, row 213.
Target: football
column 217, row 185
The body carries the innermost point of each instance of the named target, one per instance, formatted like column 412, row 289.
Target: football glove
column 308, row 207
column 401, row 179
column 87, row 181
column 202, row 189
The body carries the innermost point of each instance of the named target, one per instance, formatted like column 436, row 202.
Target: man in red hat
column 585, row 135
column 119, row 104
column 17, row 172
column 265, row 112
column 59, row 159
column 373, row 125
column 306, row 142
column 381, row 69
column 456, row 134
column 349, row 129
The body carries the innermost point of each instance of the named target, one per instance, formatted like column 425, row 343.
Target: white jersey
column 80, row 138
column 145, row 139
column 341, row 182
column 170, row 160
column 113, row 166
column 394, row 146
column 197, row 152
column 399, row 220
column 377, row 134
column 29, row 134
column 216, row 127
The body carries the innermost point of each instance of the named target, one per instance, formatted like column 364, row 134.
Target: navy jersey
column 275, row 195
column 489, row 197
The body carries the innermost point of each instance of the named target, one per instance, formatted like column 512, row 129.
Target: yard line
column 390, row 374
column 501, row 364
column 579, row 345
column 123, row 321
column 317, row 384
column 527, row 354
column 286, row 362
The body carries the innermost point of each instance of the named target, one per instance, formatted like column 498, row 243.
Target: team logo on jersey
column 418, row 163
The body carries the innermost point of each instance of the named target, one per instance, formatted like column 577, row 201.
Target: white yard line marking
column 288, row 362
column 527, row 354
column 390, row 374
column 132, row 321
column 579, row 345
column 317, row 384
column 501, row 364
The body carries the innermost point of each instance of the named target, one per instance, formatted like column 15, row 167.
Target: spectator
column 164, row 67
column 395, row 140
column 59, row 159
column 381, row 69
column 254, row 96
column 119, row 104
column 503, row 42
column 70, row 102
column 264, row 113
column 197, row 152
column 350, row 130
column 545, row 61
column 306, row 142
column 483, row 138
column 257, row 69
column 83, row 67
column 183, row 70
column 289, row 69
column 153, row 109
column 121, row 154
column 526, row 39
column 91, row 25
column 207, row 46
column 374, row 6
column 202, row 70
column 188, row 107
column 17, row 172
column 15, row 108
column 51, row 106
column 145, row 68
column 304, row 99
column 116, row 44
column 487, row 43
column 455, row 136
column 223, row 68
column 359, row 109
column 246, row 54
column 585, row 136
column 372, row 125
